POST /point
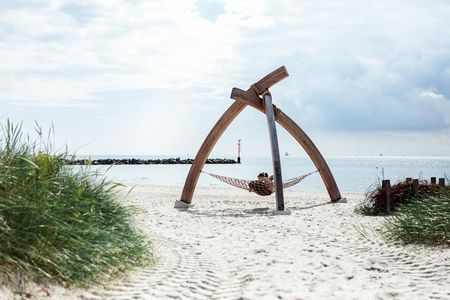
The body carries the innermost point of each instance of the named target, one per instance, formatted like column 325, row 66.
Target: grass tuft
column 58, row 224
column 425, row 221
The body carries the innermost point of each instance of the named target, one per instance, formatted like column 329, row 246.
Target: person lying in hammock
column 263, row 186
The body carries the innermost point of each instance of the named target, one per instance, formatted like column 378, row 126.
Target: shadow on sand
column 261, row 211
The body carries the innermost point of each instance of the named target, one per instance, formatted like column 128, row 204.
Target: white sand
column 230, row 246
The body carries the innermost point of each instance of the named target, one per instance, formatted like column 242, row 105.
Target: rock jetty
column 137, row 161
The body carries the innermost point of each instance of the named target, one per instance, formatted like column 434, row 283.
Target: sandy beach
column 230, row 246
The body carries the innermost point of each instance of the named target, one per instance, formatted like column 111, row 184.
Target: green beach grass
column 422, row 218
column 424, row 221
column 57, row 224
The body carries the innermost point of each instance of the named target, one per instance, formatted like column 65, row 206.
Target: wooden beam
column 248, row 98
column 276, row 161
column 271, row 79
column 208, row 144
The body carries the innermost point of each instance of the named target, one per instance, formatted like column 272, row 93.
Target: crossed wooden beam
column 252, row 97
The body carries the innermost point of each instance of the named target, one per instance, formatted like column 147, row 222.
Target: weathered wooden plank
column 276, row 161
column 272, row 78
column 248, row 98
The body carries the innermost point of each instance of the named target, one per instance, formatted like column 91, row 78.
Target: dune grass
column 58, row 224
column 424, row 221
column 421, row 218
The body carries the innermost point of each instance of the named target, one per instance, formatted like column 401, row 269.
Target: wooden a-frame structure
column 254, row 97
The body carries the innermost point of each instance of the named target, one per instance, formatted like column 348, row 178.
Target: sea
column 352, row 173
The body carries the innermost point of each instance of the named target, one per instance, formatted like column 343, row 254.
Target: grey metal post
column 275, row 151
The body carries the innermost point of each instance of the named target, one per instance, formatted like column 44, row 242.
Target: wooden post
column 386, row 188
column 276, row 161
column 433, row 184
column 408, row 181
column 415, row 187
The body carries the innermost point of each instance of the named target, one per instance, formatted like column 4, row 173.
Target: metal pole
column 275, row 151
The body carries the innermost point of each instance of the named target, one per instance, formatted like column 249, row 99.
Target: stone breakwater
column 136, row 161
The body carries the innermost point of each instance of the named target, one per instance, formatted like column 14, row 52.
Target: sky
column 144, row 77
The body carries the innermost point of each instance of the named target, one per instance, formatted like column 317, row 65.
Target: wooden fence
column 413, row 186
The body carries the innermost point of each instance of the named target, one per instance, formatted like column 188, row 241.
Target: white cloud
column 431, row 94
column 355, row 66
column 149, row 45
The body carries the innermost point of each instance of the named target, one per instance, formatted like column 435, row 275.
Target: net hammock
column 259, row 187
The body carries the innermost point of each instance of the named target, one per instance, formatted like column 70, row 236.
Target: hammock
column 258, row 187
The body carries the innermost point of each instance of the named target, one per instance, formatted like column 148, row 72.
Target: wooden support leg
column 214, row 135
column 276, row 161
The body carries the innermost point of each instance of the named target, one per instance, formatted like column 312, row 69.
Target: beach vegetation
column 414, row 215
column 402, row 192
column 59, row 223
column 424, row 221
